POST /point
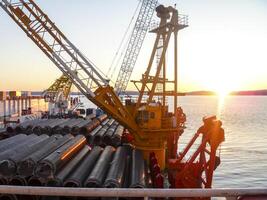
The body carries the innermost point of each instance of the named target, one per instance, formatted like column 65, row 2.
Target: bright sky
column 224, row 48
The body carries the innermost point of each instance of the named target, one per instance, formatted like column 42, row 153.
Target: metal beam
column 107, row 192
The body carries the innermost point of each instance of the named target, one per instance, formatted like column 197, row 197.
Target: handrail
column 107, row 192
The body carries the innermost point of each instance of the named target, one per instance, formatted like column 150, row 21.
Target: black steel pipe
column 127, row 175
column 116, row 138
column 36, row 181
column 85, row 130
column 38, row 129
column 8, row 197
column 3, row 180
column 10, row 129
column 97, row 176
column 56, row 122
column 67, row 128
column 99, row 135
column 76, row 179
column 28, row 129
column 27, row 165
column 22, row 126
column 90, row 136
column 138, row 170
column 55, row 161
column 107, row 137
column 102, row 117
column 58, row 128
column 50, row 128
column 16, row 148
column 117, row 169
column 47, row 129
column 17, row 180
column 103, row 123
column 110, row 122
column 76, row 129
column 69, row 168
column 8, row 166
column 10, row 142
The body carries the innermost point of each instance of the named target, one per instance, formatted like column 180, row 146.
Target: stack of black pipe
column 101, row 131
column 67, row 160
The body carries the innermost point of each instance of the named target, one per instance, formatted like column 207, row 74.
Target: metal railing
column 145, row 193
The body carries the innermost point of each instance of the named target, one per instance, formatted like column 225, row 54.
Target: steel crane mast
column 135, row 43
column 47, row 36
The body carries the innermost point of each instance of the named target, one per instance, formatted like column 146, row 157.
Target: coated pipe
column 117, row 169
column 27, row 165
column 56, row 122
column 75, row 129
column 116, row 138
column 47, row 129
column 17, row 180
column 107, row 138
column 105, row 122
column 90, row 136
column 8, row 167
column 55, row 161
column 10, row 129
column 58, row 128
column 3, row 180
column 16, row 148
column 102, row 117
column 36, row 181
column 69, row 168
column 138, row 170
column 89, row 127
column 10, row 142
column 8, row 197
column 67, row 128
column 41, row 127
column 97, row 176
column 110, row 122
column 76, row 179
column 22, row 127
column 98, row 136
column 127, row 175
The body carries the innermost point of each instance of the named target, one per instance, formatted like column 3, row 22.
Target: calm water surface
column 36, row 104
column 244, row 152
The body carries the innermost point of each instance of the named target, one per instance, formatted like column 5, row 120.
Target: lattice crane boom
column 135, row 43
column 47, row 36
column 62, row 84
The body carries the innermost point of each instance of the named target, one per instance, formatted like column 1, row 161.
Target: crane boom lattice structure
column 62, row 84
column 47, row 36
column 135, row 43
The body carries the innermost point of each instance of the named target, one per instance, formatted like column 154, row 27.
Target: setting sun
column 223, row 92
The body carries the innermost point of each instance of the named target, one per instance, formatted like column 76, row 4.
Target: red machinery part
column 156, row 176
column 197, row 171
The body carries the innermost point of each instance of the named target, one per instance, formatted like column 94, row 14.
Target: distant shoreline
column 193, row 93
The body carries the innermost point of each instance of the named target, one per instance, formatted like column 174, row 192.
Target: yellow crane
column 57, row 95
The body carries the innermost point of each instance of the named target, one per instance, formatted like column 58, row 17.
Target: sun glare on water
column 221, row 94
